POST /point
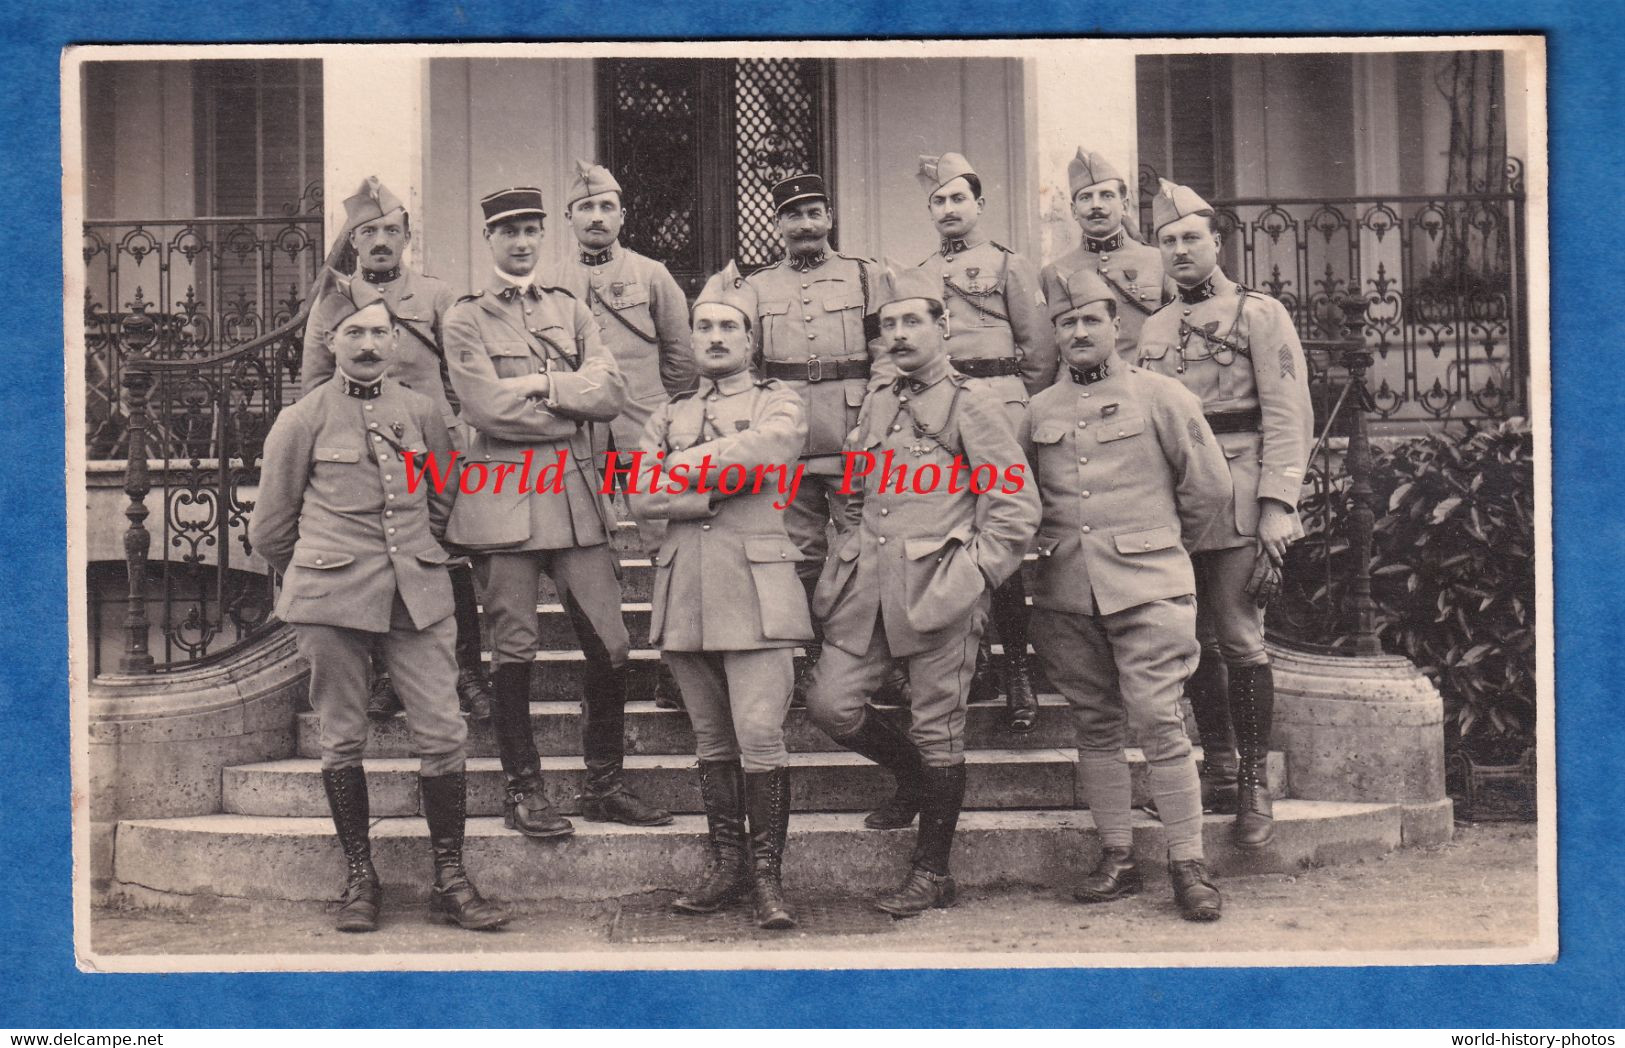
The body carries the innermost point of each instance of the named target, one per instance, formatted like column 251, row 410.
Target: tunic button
column 1083, row 461
column 372, row 425
column 378, row 438
column 785, row 556
column 390, row 495
column 1148, row 545
column 894, row 429
column 806, row 301
column 320, row 561
column 884, row 512
column 807, row 318
column 1085, row 494
column 394, row 549
column 1083, row 425
column 882, row 540
column 392, row 531
column 812, row 334
column 1086, row 529
column 705, row 527
column 904, row 400
column 369, row 407
column 1121, row 432
column 388, row 476
column 389, row 513
column 1086, row 396
column 1187, row 312
column 805, row 286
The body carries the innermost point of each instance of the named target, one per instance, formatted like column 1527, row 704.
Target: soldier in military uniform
column 1129, row 473
column 533, row 374
column 728, row 610
column 911, row 576
column 1133, row 271
column 643, row 318
column 1237, row 350
column 813, row 326
column 379, row 230
column 361, row 562
column 999, row 338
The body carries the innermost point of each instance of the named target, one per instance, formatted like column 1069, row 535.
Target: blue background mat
column 40, row 986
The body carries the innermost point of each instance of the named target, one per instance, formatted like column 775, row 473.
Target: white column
column 372, row 124
column 1084, row 94
column 1376, row 124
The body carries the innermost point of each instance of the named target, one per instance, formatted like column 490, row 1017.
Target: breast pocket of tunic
column 780, row 599
column 844, row 308
column 775, row 317
column 1114, row 429
column 511, row 359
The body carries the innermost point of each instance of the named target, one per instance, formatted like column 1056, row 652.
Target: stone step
column 204, row 861
column 822, row 782
column 557, row 729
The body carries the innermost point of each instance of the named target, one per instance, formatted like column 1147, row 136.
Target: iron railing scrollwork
column 1441, row 276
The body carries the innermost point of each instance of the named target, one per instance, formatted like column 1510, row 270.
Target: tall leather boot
column 603, row 734
column 1252, row 708
column 668, row 695
column 1010, row 615
column 1207, row 694
column 473, row 689
column 813, row 649
column 886, row 745
column 984, row 679
column 928, row 884
column 727, row 873
column 347, row 799
column 382, row 700
column 454, row 897
column 524, row 806
column 767, row 798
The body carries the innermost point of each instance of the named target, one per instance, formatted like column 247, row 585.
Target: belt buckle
column 815, row 370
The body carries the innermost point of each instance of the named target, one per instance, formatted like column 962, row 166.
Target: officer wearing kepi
column 813, row 323
column 361, row 563
column 997, row 336
column 1237, row 350
column 533, row 375
column 1130, row 474
column 1133, row 271
column 911, row 576
column 379, row 230
column 728, row 609
column 642, row 317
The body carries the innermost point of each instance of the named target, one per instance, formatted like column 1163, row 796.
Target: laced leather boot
column 1252, row 708
column 454, row 897
column 474, row 694
column 1115, row 876
column 884, row 743
column 1010, row 615
column 1206, row 691
column 347, row 799
column 928, row 884
column 727, row 876
column 382, row 701
column 984, row 683
column 767, row 797
column 1197, row 897
column 524, row 804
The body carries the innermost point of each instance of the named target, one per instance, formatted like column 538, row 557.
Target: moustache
column 368, row 357
column 595, row 227
column 1082, row 343
column 383, row 251
column 1096, row 214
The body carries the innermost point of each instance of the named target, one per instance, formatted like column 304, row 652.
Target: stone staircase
column 271, row 841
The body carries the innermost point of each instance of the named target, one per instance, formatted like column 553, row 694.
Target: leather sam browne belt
column 986, row 367
column 815, row 370
column 1245, row 421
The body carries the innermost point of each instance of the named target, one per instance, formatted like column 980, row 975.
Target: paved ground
column 1478, row 891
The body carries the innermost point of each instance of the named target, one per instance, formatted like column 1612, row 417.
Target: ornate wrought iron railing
column 195, row 431
column 1442, row 278
column 185, row 290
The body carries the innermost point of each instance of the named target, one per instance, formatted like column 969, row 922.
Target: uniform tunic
column 727, row 607
column 912, row 576
column 1131, row 269
column 359, row 556
column 502, row 333
column 642, row 317
column 1129, row 473
column 995, row 310
column 420, row 304
column 1238, row 351
column 812, row 316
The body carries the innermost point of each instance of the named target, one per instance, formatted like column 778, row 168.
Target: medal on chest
column 973, row 283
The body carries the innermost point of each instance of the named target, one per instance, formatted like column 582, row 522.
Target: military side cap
column 937, row 171
column 591, row 179
column 1079, row 289
column 730, row 289
column 1089, row 168
column 797, row 188
column 337, row 297
column 900, row 283
column 372, row 201
column 511, row 203
column 1173, row 202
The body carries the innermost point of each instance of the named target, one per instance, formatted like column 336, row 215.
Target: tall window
column 698, row 144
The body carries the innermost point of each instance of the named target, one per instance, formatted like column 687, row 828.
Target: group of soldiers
column 1161, row 410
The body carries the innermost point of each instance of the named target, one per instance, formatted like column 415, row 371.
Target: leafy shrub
column 1452, row 573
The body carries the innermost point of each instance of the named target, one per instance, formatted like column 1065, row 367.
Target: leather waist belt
column 815, row 370
column 986, row 367
column 1236, row 421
